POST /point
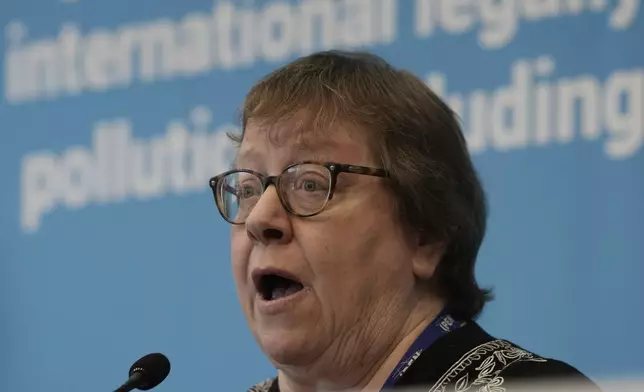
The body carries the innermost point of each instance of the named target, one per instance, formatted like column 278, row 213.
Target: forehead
column 285, row 143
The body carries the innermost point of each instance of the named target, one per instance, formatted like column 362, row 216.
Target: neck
column 373, row 374
column 399, row 348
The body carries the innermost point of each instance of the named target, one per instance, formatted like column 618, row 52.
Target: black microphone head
column 154, row 368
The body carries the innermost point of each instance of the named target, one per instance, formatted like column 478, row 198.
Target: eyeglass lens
column 304, row 190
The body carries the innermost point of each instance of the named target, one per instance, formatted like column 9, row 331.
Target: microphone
column 146, row 373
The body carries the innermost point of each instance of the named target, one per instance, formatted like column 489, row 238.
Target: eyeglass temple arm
column 230, row 189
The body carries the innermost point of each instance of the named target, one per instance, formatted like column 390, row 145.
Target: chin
column 287, row 347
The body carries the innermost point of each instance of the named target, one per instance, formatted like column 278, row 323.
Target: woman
column 356, row 220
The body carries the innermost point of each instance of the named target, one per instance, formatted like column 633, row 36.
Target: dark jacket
column 469, row 359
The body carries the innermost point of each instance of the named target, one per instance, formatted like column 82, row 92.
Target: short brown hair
column 417, row 139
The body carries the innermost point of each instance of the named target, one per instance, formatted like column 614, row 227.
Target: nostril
column 273, row 234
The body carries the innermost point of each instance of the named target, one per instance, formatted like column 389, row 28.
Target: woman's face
column 350, row 268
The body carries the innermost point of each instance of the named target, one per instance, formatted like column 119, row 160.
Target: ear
column 428, row 255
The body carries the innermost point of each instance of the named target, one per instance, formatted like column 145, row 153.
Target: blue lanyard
column 442, row 324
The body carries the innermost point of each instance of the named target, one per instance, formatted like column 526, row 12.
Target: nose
column 269, row 222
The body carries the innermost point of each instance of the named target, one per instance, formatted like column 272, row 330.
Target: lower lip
column 280, row 305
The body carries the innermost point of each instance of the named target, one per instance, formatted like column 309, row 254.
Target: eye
column 247, row 186
column 311, row 182
column 247, row 191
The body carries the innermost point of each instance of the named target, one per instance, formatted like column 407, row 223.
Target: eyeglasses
column 304, row 188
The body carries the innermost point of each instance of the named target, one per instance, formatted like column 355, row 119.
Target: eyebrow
column 245, row 155
column 320, row 152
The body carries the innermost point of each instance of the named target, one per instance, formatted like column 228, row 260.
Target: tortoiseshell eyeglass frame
column 334, row 169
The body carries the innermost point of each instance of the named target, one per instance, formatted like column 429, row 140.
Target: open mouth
column 272, row 286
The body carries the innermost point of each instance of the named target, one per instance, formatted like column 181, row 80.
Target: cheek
column 341, row 258
column 240, row 247
column 364, row 251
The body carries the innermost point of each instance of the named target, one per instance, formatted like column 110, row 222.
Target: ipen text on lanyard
column 442, row 324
